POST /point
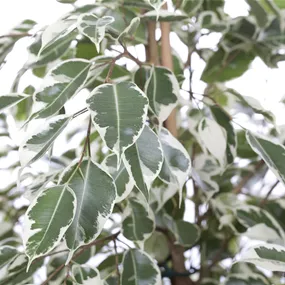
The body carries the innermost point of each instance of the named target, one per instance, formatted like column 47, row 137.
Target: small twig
column 117, row 260
column 245, row 180
column 53, row 274
column 264, row 201
column 98, row 241
column 113, row 62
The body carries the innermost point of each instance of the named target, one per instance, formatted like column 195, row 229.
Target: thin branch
column 264, row 201
column 246, row 179
column 117, row 260
column 98, row 241
column 113, row 62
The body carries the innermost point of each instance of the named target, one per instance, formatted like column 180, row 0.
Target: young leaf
column 131, row 29
column 261, row 225
column 224, row 121
column 86, row 275
column 40, row 141
column 139, row 268
column 47, row 219
column 95, row 193
column 272, row 153
column 162, row 90
column 9, row 100
column 124, row 182
column 209, row 129
column 139, row 222
column 143, row 160
column 93, row 27
column 119, row 113
column 268, row 256
column 177, row 164
column 7, row 255
column 156, row 4
column 69, row 77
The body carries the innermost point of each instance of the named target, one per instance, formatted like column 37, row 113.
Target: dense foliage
column 115, row 155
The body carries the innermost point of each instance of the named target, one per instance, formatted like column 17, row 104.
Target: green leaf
column 191, row 6
column 93, row 27
column 223, row 119
column 85, row 275
column 9, row 100
column 223, row 66
column 260, row 224
column 47, row 219
column 139, row 268
column 177, row 164
column 186, row 234
column 40, row 141
column 258, row 11
column 164, row 16
column 95, row 194
column 139, row 222
column 209, row 129
column 124, row 182
column 131, row 29
column 268, row 256
column 69, row 77
column 157, row 246
column 162, row 90
column 119, row 113
column 7, row 255
column 143, row 160
column 66, row 1
column 271, row 153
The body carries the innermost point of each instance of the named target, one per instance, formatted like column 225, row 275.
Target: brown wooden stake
column 177, row 251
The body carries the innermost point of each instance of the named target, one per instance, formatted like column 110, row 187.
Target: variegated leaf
column 156, row 4
column 162, row 89
column 119, row 113
column 9, row 100
column 177, row 164
column 246, row 279
column 55, row 35
column 7, row 255
column 47, row 219
column 139, row 268
column 93, row 27
column 143, row 160
column 67, row 79
column 124, row 182
column 40, row 141
column 85, row 275
column 95, row 192
column 261, row 225
column 268, row 256
column 131, row 29
column 272, row 153
column 224, row 121
column 209, row 129
column 139, row 222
